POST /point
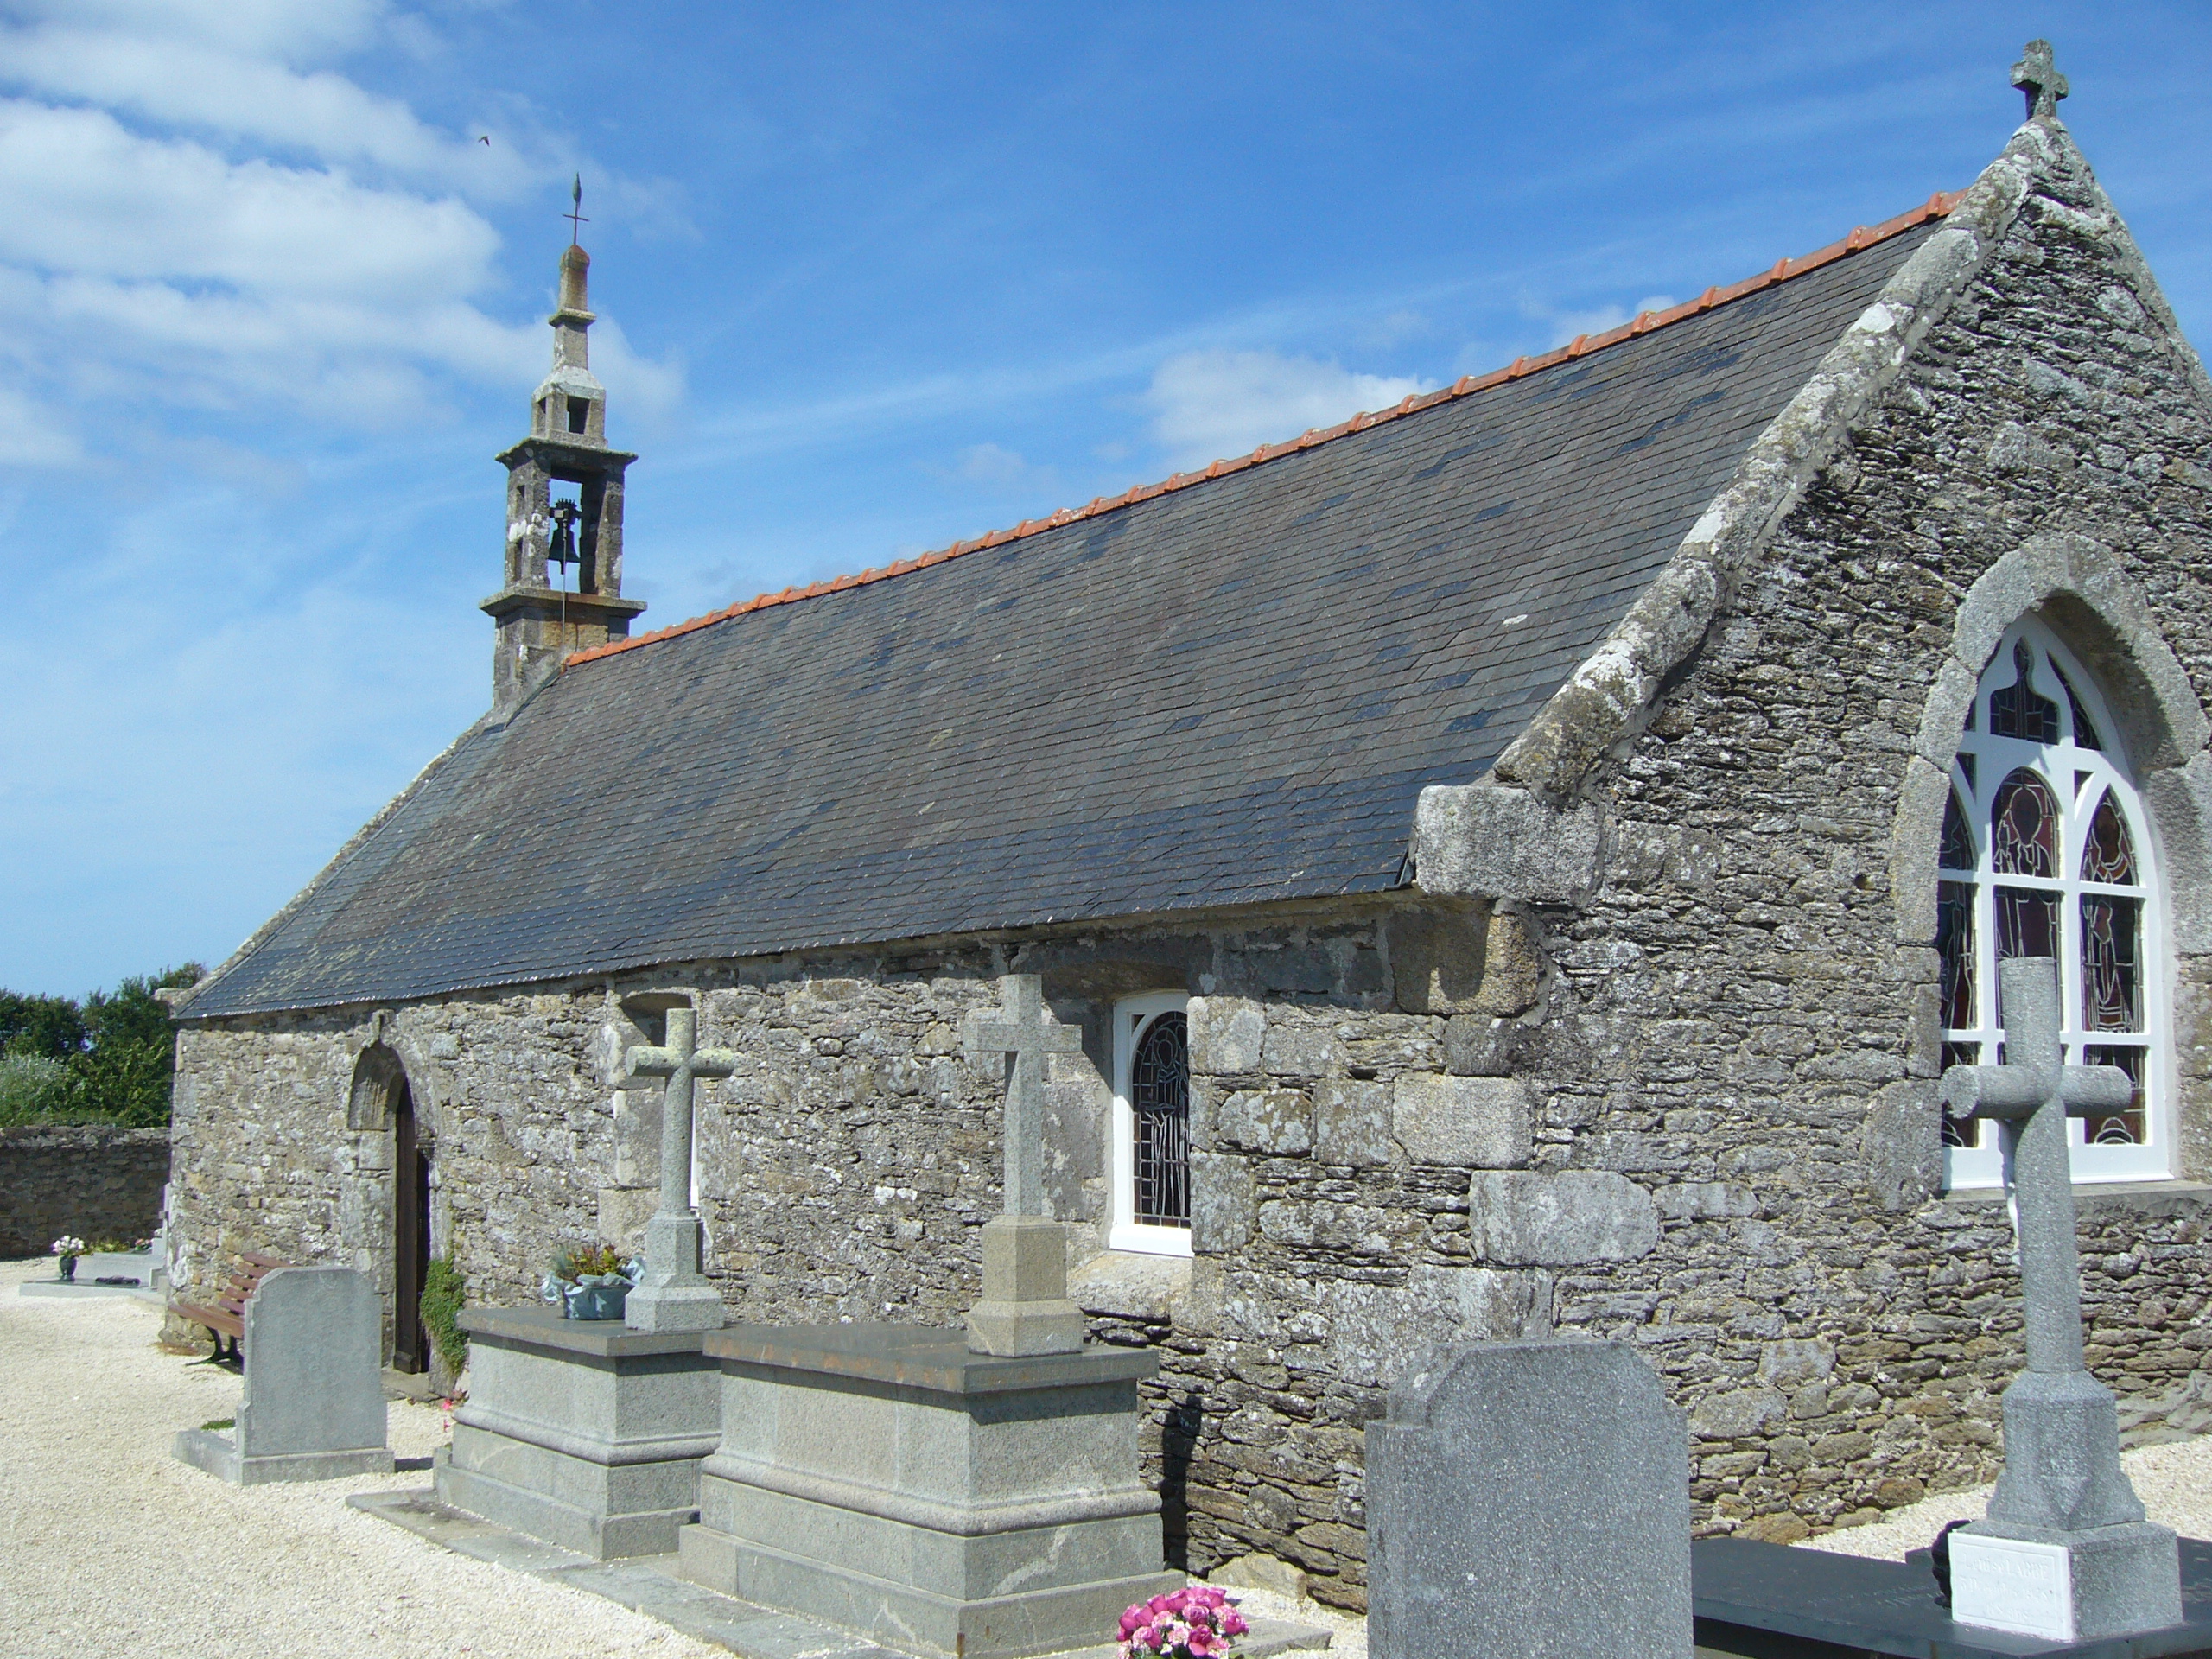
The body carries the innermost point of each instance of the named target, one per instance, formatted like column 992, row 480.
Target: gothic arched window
column 2044, row 854
column 1151, row 1125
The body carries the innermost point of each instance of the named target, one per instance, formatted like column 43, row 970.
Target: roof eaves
column 1862, row 238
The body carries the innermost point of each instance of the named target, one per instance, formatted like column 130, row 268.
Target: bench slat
column 227, row 1317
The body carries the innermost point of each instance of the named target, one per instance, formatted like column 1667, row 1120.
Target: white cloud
column 197, row 211
column 997, row 470
column 1219, row 403
column 1566, row 325
column 177, row 66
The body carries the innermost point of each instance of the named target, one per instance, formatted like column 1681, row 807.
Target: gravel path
column 2174, row 1482
column 114, row 1548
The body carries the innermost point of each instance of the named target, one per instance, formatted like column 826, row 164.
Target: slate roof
column 1227, row 692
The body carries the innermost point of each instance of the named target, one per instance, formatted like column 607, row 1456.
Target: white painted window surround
column 2080, row 777
column 1132, row 1016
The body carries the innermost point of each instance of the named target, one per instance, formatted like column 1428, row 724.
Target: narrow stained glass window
column 2110, row 855
column 1958, row 840
column 2112, row 978
column 1160, row 1105
column 2025, row 824
column 1954, row 948
column 2019, row 709
column 2085, row 733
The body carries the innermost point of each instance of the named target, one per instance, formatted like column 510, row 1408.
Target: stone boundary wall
column 93, row 1181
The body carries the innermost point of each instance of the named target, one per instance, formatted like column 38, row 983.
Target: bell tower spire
column 564, row 507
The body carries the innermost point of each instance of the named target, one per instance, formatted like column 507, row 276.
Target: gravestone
column 1532, row 1499
column 2066, row 1553
column 314, row 1407
column 1025, row 1307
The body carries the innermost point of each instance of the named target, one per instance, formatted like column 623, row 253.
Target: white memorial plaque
column 2010, row 1584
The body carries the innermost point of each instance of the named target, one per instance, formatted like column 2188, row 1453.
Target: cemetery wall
column 1695, row 1112
column 96, row 1183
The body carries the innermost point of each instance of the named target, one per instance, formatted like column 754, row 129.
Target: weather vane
column 575, row 215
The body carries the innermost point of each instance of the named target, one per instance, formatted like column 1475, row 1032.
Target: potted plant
column 1196, row 1623
column 68, row 1248
column 590, row 1281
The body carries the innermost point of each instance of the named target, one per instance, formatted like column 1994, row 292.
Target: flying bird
column 483, row 137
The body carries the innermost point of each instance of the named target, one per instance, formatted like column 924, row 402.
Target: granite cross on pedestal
column 674, row 1294
column 2102, row 1570
column 1025, row 1309
column 2038, row 76
column 1026, row 1035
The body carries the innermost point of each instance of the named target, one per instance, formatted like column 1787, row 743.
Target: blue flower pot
column 597, row 1301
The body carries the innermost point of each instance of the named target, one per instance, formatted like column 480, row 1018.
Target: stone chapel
column 1518, row 859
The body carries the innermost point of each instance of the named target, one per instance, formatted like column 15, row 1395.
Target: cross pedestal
column 2065, row 1553
column 674, row 1294
column 1025, row 1308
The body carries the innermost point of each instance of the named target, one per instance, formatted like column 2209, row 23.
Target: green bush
column 124, row 1080
column 445, row 1293
column 32, row 1089
column 111, row 1061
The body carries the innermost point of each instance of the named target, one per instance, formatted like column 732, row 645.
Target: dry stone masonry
column 90, row 1182
column 1644, row 1048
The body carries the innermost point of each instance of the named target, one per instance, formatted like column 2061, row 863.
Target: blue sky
column 872, row 278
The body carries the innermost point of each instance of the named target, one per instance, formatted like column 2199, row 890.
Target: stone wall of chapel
column 1726, row 1054
column 1732, row 1023
column 1731, row 1058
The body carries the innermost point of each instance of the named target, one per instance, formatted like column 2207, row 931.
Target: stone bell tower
column 541, row 621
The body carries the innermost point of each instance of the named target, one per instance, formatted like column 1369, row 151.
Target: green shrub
column 124, row 1080
column 445, row 1293
column 109, row 1061
column 33, row 1088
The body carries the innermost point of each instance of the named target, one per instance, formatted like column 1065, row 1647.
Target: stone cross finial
column 2037, row 76
column 675, row 1295
column 1023, row 1033
column 2062, row 1478
column 1025, row 1308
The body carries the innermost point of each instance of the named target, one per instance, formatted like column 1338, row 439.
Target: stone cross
column 675, row 1295
column 2065, row 1551
column 2037, row 76
column 2031, row 1096
column 1023, row 1032
column 1025, row 1308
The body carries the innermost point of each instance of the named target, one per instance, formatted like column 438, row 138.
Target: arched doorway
column 410, row 1235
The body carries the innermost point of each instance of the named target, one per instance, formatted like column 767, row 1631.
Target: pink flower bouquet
column 1198, row 1622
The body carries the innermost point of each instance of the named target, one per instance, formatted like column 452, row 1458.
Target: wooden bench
column 226, row 1318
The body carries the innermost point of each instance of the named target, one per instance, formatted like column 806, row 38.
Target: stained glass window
column 2065, row 876
column 2026, row 825
column 2110, row 856
column 2085, row 732
column 1958, row 840
column 2019, row 709
column 1955, row 946
column 1159, row 1099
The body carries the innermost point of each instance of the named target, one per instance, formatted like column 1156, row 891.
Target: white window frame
column 1996, row 758
column 1132, row 1014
